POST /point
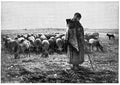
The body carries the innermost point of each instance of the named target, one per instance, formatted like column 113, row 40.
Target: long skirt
column 74, row 56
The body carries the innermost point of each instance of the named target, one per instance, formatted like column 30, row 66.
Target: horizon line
column 55, row 28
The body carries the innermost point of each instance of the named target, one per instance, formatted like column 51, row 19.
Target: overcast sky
column 53, row 14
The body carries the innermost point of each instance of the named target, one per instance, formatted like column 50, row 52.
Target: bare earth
column 50, row 70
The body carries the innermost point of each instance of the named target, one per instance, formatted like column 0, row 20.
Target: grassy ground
column 36, row 69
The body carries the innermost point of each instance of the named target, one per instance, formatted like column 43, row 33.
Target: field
column 51, row 70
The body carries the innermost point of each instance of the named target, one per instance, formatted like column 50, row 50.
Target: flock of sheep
column 45, row 43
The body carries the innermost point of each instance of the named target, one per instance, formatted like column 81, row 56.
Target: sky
column 95, row 15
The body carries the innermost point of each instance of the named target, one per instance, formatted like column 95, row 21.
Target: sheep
column 32, row 40
column 52, row 45
column 37, row 36
column 12, row 46
column 48, row 36
column 45, row 47
column 5, row 40
column 96, row 34
column 59, row 36
column 64, row 43
column 16, row 49
column 87, row 45
column 9, row 44
column 25, row 36
column 25, row 45
column 43, row 37
column 95, row 43
column 37, row 44
column 18, row 36
column 88, row 36
column 20, row 39
column 59, row 44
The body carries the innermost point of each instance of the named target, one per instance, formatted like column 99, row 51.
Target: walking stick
column 91, row 62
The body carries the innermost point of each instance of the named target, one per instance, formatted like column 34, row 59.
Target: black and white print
column 35, row 45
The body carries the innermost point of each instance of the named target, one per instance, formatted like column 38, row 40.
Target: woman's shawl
column 71, row 34
column 75, row 38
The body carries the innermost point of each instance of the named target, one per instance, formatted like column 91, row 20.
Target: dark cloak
column 75, row 38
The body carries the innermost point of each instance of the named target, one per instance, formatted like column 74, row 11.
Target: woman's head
column 77, row 16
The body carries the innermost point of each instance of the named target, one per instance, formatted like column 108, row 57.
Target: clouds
column 53, row 14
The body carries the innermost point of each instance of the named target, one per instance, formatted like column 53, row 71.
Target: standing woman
column 75, row 41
